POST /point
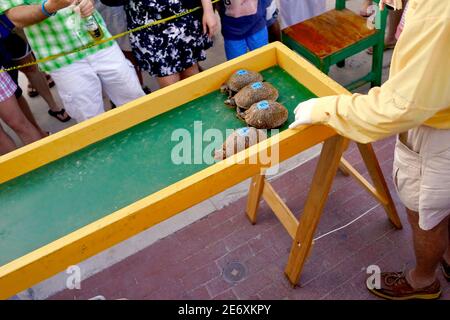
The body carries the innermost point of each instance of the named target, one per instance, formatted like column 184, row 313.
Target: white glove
column 303, row 113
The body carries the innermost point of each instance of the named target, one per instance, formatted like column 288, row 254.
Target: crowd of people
column 170, row 51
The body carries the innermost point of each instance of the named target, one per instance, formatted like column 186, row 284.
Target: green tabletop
column 59, row 198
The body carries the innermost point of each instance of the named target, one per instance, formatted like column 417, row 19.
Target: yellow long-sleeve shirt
column 418, row 89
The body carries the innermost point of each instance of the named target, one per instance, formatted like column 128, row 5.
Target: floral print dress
column 167, row 48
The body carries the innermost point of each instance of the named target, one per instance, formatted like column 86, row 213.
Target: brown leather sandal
column 446, row 270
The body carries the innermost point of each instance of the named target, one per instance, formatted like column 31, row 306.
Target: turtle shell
column 240, row 79
column 266, row 115
column 253, row 93
column 239, row 140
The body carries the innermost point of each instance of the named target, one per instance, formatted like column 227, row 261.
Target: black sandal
column 50, row 81
column 32, row 92
column 57, row 114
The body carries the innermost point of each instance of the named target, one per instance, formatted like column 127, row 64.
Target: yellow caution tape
column 96, row 43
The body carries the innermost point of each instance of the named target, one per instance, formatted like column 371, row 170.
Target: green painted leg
column 377, row 65
column 325, row 68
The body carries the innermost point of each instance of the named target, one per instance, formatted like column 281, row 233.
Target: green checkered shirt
column 61, row 33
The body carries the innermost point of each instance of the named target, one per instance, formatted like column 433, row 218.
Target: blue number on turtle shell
column 257, row 85
column 243, row 131
column 242, row 72
column 263, row 105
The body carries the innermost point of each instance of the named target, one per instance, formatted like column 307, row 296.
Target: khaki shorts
column 422, row 174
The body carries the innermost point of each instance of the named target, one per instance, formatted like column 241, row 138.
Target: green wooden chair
column 338, row 34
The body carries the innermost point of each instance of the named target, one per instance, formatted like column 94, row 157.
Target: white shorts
column 80, row 84
column 422, row 174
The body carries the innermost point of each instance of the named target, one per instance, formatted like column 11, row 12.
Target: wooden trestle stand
column 302, row 231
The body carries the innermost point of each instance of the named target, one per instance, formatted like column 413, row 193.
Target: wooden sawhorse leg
column 380, row 189
column 320, row 187
column 302, row 232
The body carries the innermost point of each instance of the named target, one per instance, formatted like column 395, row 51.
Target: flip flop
column 57, row 114
column 146, row 90
column 32, row 92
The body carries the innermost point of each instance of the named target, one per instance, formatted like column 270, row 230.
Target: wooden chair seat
column 330, row 32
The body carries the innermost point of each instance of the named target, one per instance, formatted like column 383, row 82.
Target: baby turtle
column 253, row 93
column 240, row 79
column 265, row 115
column 239, row 140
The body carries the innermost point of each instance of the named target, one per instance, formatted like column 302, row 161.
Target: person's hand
column 303, row 113
column 85, row 8
column 210, row 24
column 54, row 5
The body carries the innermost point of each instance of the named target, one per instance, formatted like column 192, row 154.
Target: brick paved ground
column 190, row 264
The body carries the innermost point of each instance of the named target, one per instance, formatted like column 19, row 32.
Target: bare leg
column 11, row 113
column 429, row 248
column 23, row 104
column 39, row 82
column 6, row 143
column 366, row 4
column 167, row 81
column 189, row 71
column 393, row 21
column 275, row 32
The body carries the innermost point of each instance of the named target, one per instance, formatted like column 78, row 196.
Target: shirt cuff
column 321, row 111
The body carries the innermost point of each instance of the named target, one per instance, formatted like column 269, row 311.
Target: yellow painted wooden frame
column 87, row 241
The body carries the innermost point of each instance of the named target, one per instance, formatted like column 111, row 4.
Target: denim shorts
column 236, row 48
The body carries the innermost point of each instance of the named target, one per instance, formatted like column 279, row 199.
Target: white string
column 345, row 226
